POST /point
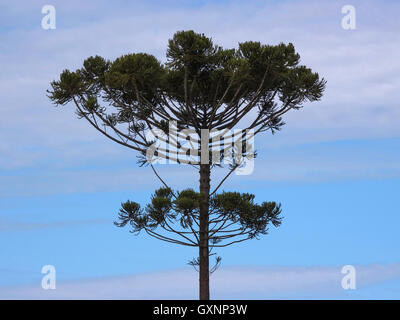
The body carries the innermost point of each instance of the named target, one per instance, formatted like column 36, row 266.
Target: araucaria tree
column 205, row 92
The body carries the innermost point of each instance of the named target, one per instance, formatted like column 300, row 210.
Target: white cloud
column 9, row 225
column 226, row 283
column 361, row 66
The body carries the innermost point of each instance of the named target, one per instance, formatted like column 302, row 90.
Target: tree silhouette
column 206, row 92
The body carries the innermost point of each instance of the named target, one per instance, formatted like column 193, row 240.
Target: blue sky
column 335, row 165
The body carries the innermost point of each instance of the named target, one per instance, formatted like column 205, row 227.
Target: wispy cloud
column 361, row 67
column 315, row 162
column 9, row 225
column 227, row 283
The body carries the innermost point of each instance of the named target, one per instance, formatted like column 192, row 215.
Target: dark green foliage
column 198, row 80
column 228, row 209
column 200, row 86
column 241, row 209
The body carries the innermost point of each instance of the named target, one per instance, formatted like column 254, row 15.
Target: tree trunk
column 204, row 272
